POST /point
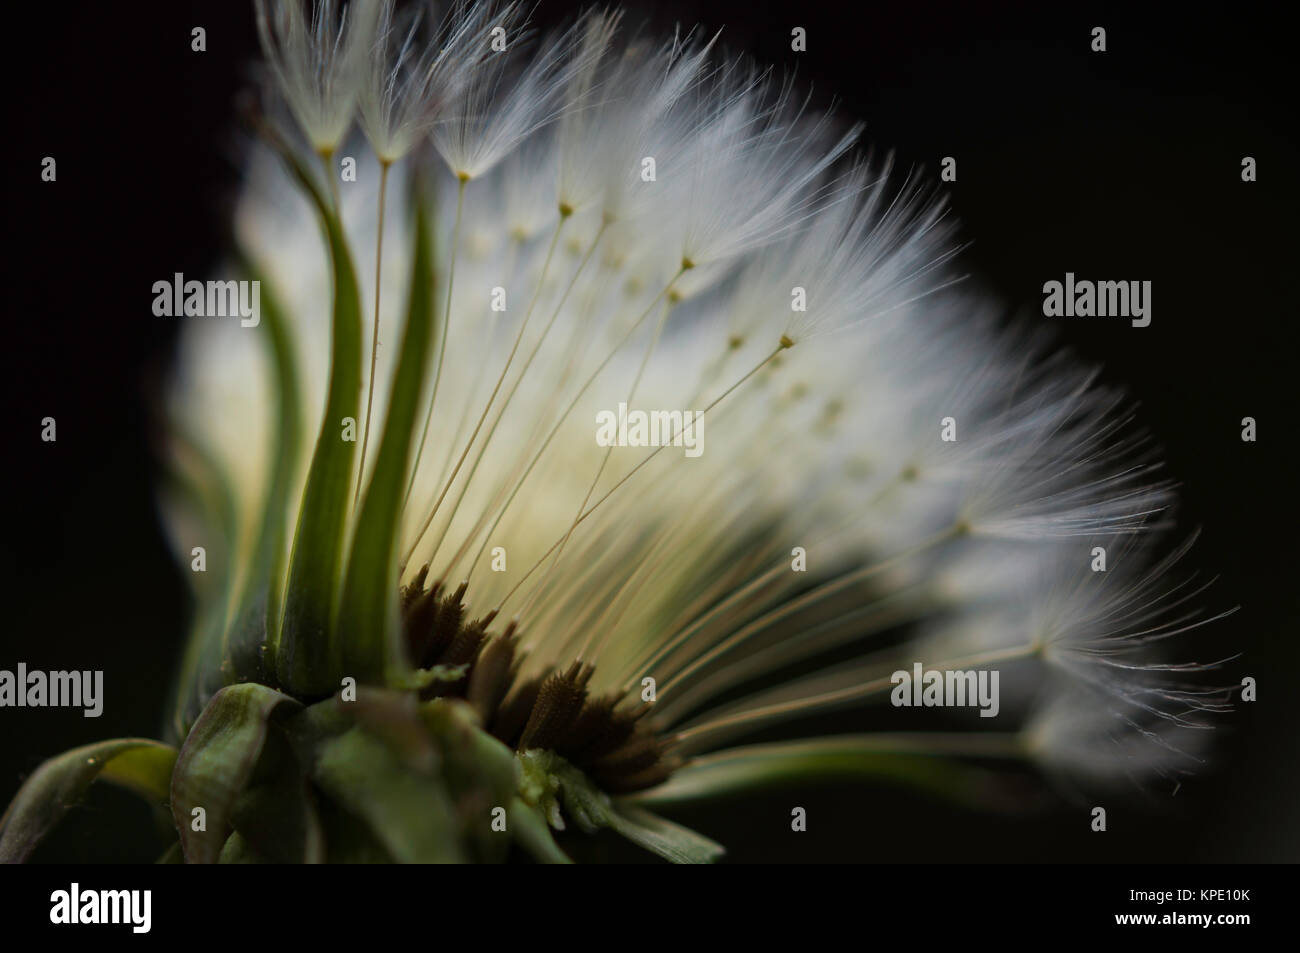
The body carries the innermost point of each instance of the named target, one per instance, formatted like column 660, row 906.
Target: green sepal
column 549, row 783
column 250, row 640
column 217, row 762
column 138, row 764
column 237, row 850
column 481, row 773
column 368, row 625
column 533, row 834
column 308, row 657
column 405, row 807
column 671, row 841
column 196, row 476
column 275, row 815
column 821, row 760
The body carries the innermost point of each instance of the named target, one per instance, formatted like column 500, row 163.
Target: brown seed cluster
column 612, row 743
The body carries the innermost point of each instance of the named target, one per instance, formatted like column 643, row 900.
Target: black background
column 1124, row 164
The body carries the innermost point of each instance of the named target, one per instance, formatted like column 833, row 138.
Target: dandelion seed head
column 1080, row 738
column 416, row 68
column 573, row 284
column 317, row 63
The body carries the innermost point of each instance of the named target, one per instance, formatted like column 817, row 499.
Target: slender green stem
column 327, row 162
column 374, row 337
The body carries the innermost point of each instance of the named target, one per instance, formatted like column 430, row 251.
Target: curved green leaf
column 217, row 761
column 545, row 776
column 218, row 653
column 275, row 815
column 670, row 841
column 407, row 810
column 839, row 758
column 368, row 624
column 237, row 850
column 308, row 660
column 204, row 483
column 533, row 834
column 258, row 614
column 138, row 764
column 481, row 774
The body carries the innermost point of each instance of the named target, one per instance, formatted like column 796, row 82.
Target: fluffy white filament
column 822, row 427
